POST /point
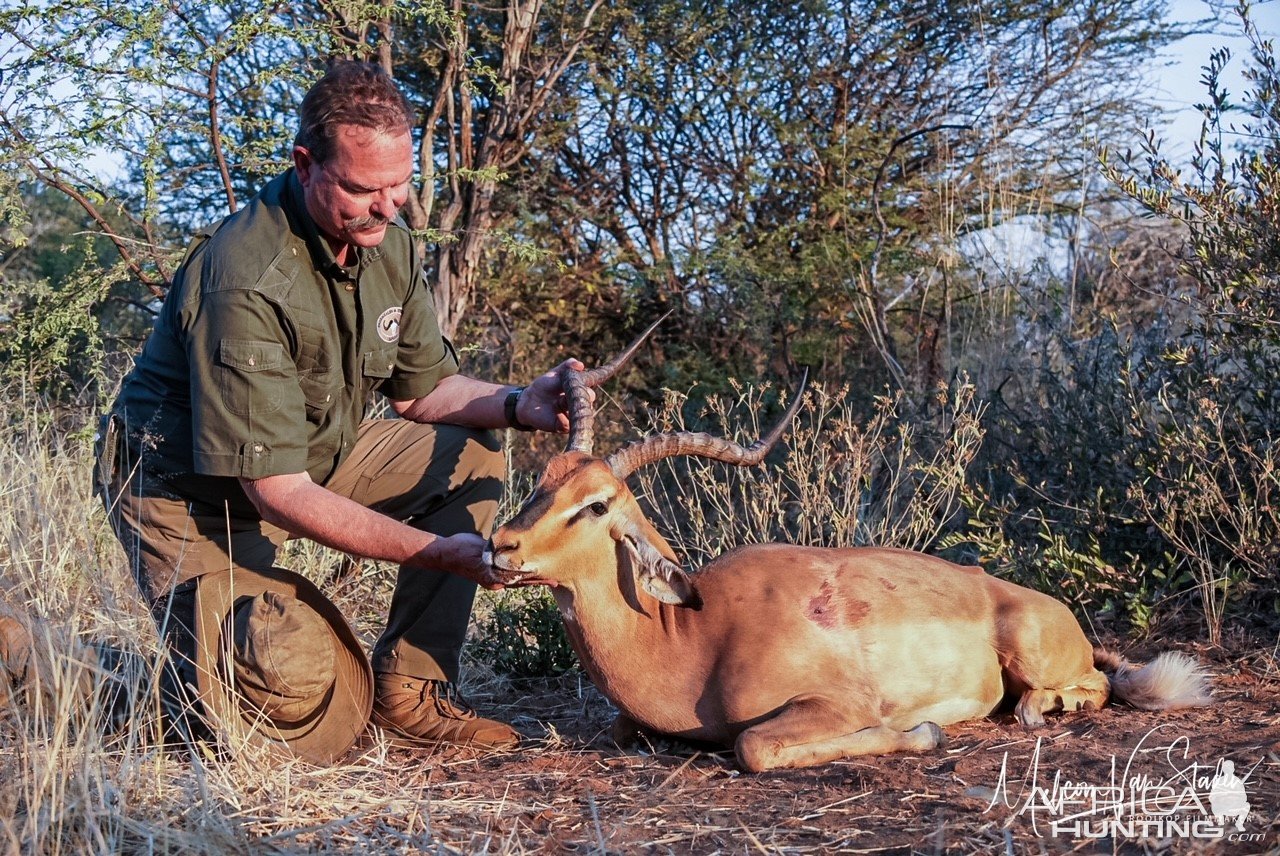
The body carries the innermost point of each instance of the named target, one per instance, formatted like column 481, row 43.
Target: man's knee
column 483, row 456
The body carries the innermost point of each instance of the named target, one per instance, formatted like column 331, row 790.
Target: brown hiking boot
column 425, row 712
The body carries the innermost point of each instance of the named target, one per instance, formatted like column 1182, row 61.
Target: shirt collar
column 321, row 252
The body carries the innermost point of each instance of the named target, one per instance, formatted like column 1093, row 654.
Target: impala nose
column 499, row 547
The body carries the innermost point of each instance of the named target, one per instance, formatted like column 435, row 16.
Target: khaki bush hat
column 277, row 664
column 16, row 645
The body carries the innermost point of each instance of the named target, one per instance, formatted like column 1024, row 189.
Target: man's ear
column 658, row 575
column 303, row 163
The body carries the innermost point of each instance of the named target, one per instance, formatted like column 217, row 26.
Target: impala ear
column 676, row 588
column 658, row 575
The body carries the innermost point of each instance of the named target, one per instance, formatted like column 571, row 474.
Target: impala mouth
column 503, row 571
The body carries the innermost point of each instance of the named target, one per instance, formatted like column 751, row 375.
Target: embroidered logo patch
column 389, row 324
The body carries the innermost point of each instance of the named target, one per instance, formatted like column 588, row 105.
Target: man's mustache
column 361, row 223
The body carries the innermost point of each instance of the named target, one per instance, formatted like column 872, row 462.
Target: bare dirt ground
column 995, row 788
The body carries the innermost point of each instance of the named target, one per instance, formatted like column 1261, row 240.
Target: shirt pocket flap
column 379, row 363
column 250, row 356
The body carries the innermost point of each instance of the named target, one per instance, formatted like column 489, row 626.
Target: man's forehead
column 359, row 135
column 360, row 149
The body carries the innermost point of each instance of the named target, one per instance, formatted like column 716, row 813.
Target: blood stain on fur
column 855, row 610
column 821, row 610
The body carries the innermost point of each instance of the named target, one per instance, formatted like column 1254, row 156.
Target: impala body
column 796, row 655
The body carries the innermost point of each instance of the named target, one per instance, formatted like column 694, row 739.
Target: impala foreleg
column 813, row 729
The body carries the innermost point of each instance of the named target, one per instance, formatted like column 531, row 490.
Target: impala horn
column 582, row 414
column 630, row 458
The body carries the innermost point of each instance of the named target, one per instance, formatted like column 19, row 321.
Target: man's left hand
column 543, row 405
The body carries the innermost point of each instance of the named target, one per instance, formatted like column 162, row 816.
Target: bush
column 520, row 634
column 842, row 480
column 1138, row 460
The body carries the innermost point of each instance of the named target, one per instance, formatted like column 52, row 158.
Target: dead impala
column 794, row 655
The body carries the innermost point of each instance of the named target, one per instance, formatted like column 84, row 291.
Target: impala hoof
column 934, row 736
column 1031, row 721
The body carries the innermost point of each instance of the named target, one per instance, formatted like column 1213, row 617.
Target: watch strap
column 509, row 410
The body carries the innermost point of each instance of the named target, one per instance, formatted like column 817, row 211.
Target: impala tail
column 1170, row 681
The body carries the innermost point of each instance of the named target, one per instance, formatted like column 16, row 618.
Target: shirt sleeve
column 248, row 410
column 424, row 357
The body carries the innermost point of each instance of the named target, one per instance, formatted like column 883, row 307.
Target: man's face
column 352, row 195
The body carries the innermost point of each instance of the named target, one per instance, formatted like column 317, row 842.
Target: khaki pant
column 439, row 478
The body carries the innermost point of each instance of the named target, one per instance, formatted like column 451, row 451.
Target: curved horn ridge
column 582, row 412
column 630, row 458
column 594, row 377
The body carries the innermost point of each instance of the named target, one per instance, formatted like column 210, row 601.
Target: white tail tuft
column 1171, row 680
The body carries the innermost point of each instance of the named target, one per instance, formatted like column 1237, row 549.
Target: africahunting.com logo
column 1157, row 792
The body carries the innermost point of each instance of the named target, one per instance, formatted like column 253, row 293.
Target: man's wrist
column 509, row 409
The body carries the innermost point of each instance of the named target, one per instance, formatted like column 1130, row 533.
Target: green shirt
column 266, row 350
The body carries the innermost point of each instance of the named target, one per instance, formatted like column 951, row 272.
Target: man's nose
column 387, row 203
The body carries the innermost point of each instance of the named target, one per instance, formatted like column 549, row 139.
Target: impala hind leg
column 1047, row 661
column 812, row 730
column 1087, row 692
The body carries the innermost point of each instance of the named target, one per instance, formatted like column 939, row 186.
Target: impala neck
column 626, row 639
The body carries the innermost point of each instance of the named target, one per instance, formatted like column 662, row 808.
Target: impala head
column 582, row 519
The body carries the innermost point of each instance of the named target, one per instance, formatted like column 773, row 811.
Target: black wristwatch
column 509, row 408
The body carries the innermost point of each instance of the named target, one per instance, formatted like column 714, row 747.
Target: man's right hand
column 299, row 506
column 461, row 554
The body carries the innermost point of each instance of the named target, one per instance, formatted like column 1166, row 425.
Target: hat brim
column 322, row 740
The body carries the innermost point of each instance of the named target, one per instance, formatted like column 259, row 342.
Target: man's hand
column 543, row 404
column 462, row 400
column 299, row 506
column 462, row 555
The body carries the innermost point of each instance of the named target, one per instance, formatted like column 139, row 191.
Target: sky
column 1180, row 88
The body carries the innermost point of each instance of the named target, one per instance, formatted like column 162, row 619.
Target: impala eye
column 598, row 508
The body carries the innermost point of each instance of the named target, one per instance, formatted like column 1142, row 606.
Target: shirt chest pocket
column 319, row 380
column 319, row 391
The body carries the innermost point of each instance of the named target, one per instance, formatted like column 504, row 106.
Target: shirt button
column 257, row 447
column 252, row 361
column 351, row 287
column 390, row 366
column 328, row 398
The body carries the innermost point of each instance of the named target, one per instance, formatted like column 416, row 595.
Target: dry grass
column 70, row 786
column 74, row 787
column 844, row 481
